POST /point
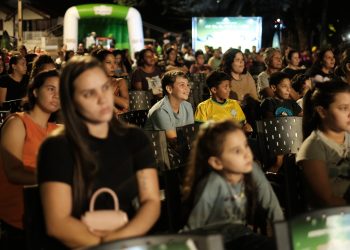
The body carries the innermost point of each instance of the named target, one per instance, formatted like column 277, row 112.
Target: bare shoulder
column 13, row 123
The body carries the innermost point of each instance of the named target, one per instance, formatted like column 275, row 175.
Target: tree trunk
column 301, row 23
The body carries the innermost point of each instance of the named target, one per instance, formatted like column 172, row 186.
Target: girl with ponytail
column 325, row 153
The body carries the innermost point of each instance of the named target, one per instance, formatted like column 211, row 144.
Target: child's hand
column 273, row 169
column 277, row 165
column 247, row 128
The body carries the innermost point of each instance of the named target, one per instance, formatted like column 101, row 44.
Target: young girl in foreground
column 325, row 154
column 225, row 185
column 94, row 150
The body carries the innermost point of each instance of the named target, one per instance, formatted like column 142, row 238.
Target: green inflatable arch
column 123, row 23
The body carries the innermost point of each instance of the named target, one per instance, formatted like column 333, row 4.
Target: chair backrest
column 3, row 115
column 135, row 117
column 170, row 181
column 319, row 229
column 198, row 87
column 160, row 147
column 281, row 135
column 16, row 105
column 172, row 241
column 140, row 100
column 185, row 136
column 187, row 133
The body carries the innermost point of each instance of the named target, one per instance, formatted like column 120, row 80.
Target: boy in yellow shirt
column 219, row 107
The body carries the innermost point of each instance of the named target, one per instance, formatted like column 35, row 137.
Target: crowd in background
column 88, row 89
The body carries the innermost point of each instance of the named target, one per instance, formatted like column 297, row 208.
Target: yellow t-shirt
column 212, row 110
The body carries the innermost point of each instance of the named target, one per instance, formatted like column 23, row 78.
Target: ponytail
column 323, row 95
column 310, row 118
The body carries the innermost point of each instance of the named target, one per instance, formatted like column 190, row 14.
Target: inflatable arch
column 103, row 11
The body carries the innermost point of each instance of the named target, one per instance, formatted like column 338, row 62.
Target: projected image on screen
column 226, row 32
column 321, row 233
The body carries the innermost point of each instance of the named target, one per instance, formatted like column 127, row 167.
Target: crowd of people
column 69, row 140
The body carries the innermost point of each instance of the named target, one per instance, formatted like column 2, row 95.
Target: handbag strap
column 104, row 190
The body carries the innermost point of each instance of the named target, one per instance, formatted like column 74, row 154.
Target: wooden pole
column 20, row 27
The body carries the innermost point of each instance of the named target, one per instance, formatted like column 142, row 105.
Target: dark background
column 306, row 23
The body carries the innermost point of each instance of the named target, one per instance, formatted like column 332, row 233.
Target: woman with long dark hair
column 94, row 150
column 119, row 85
column 14, row 84
column 242, row 83
column 323, row 68
column 21, row 136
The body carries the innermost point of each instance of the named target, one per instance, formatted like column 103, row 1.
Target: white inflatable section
column 135, row 30
column 70, row 28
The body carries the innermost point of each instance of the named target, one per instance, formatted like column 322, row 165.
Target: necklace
column 238, row 201
column 236, row 191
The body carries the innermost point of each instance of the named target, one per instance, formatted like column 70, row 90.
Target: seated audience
column 119, row 85
column 173, row 110
column 21, row 136
column 226, row 189
column 301, row 83
column 147, row 75
column 42, row 63
column 120, row 70
column 242, row 84
column 293, row 60
column 94, row 150
column 173, row 62
column 343, row 70
column 14, row 84
column 324, row 155
column 199, row 65
column 322, row 69
column 279, row 105
column 219, row 106
column 273, row 62
column 215, row 60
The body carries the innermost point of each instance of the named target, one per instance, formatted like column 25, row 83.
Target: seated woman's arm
column 12, row 141
column 122, row 100
column 3, row 92
column 57, row 205
column 148, row 213
column 316, row 175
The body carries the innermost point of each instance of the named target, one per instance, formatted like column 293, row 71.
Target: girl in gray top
column 325, row 154
column 229, row 186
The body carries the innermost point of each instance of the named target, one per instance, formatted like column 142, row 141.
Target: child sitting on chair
column 220, row 107
column 301, row 83
column 279, row 105
column 225, row 188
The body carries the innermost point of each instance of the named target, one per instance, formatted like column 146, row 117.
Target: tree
column 5, row 41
